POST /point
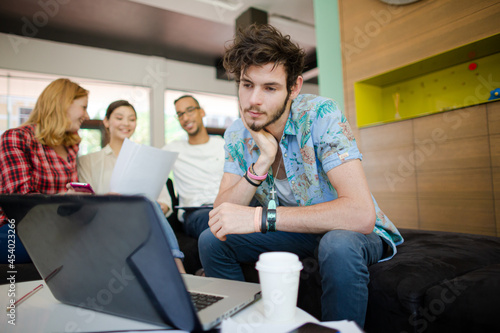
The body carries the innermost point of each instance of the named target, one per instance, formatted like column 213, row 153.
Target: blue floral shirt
column 316, row 139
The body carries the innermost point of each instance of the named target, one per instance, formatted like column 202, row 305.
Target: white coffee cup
column 279, row 275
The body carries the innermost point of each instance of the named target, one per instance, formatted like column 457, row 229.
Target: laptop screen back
column 106, row 253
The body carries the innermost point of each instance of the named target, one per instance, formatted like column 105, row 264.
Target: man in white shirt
column 199, row 167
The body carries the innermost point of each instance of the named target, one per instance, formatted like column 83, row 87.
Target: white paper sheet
column 252, row 320
column 230, row 325
column 141, row 170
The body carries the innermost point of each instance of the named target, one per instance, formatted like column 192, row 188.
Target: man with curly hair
column 296, row 155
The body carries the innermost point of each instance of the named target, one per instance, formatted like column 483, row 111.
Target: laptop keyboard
column 201, row 301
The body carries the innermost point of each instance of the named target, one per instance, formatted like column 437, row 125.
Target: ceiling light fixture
column 233, row 5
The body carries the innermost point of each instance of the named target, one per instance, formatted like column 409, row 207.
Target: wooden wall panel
column 495, row 150
column 497, row 209
column 496, row 195
column 383, row 154
column 458, row 124
column 455, row 167
column 406, row 34
column 456, row 185
column 495, row 174
column 466, row 215
column 455, row 154
column 457, row 200
column 452, row 140
column 493, row 110
column 392, row 185
column 401, row 210
column 388, row 172
column 474, row 184
column 349, row 110
column 387, row 136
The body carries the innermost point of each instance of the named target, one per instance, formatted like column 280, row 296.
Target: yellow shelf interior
column 455, row 79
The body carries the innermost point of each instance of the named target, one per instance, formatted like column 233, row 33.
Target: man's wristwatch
column 271, row 220
column 271, row 215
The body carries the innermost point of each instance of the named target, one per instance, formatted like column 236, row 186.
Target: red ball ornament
column 472, row 66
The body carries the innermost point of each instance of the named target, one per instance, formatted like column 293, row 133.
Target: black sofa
column 438, row 282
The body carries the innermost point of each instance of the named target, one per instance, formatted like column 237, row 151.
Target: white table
column 43, row 313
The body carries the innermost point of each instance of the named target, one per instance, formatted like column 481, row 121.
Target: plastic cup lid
column 278, row 262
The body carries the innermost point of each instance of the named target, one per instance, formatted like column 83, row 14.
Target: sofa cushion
column 467, row 303
column 428, row 259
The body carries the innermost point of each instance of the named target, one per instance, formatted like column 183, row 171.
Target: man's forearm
column 341, row 213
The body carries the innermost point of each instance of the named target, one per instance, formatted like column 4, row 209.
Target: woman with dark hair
column 96, row 168
column 40, row 155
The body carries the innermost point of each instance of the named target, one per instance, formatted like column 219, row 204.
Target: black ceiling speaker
column 251, row 16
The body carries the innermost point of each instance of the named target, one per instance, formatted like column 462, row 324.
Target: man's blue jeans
column 344, row 257
column 196, row 222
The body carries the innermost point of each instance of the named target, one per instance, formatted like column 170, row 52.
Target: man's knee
column 339, row 244
column 207, row 242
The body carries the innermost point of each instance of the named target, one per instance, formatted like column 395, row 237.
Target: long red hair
column 50, row 113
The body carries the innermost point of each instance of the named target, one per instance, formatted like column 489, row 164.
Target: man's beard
column 274, row 119
column 195, row 132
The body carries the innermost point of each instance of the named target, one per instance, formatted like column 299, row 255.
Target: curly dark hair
column 258, row 45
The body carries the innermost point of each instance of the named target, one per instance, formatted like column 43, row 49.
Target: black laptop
column 111, row 254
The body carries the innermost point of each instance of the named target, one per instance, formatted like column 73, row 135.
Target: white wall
column 156, row 73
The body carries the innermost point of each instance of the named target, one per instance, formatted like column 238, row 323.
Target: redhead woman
column 40, row 155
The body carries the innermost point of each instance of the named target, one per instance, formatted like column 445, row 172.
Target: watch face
column 271, row 215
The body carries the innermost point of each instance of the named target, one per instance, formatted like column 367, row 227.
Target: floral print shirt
column 316, row 139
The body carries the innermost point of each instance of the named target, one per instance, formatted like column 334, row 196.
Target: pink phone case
column 82, row 187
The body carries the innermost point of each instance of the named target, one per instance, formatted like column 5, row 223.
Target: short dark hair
column 115, row 105
column 186, row 96
column 258, row 45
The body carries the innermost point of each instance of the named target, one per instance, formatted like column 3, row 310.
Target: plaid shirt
column 27, row 166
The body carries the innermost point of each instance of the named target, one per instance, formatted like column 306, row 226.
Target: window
column 220, row 110
column 24, row 114
column 20, row 90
